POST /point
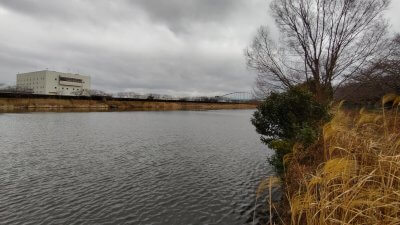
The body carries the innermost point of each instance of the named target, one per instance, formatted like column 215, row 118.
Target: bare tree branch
column 323, row 41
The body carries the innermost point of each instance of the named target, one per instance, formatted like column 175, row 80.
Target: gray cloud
column 179, row 15
column 182, row 47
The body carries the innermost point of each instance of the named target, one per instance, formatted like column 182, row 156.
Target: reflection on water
column 179, row 167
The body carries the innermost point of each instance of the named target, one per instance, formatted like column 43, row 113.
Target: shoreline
column 88, row 110
column 10, row 103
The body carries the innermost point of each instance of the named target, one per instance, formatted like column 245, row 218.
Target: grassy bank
column 51, row 104
column 351, row 175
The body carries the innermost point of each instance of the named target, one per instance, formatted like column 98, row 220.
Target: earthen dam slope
column 11, row 102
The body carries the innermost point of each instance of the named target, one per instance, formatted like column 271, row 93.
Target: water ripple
column 129, row 168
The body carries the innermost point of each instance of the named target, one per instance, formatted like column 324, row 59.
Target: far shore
column 44, row 103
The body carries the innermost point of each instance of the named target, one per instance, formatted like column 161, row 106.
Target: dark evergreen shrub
column 284, row 119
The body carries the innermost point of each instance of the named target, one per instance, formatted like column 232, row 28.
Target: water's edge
column 42, row 104
column 172, row 167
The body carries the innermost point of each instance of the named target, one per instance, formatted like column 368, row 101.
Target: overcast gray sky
column 178, row 47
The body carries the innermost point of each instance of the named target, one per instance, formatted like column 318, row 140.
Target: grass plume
column 352, row 174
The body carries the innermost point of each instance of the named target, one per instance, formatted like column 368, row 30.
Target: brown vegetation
column 374, row 81
column 351, row 175
column 51, row 104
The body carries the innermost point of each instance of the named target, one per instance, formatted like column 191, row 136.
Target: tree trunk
column 323, row 93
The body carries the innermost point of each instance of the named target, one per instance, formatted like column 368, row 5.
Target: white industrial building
column 54, row 83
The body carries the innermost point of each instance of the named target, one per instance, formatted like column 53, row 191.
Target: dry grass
column 266, row 185
column 48, row 104
column 357, row 180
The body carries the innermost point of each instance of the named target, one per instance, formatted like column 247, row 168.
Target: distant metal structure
column 238, row 96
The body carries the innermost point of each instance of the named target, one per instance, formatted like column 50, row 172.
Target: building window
column 68, row 79
column 55, row 87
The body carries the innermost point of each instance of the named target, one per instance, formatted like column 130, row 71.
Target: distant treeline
column 368, row 92
column 371, row 83
column 109, row 98
column 95, row 94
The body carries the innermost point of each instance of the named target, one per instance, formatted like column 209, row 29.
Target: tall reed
column 358, row 181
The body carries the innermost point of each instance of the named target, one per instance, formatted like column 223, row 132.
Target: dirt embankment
column 53, row 104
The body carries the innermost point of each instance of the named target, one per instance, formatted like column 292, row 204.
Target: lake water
column 177, row 167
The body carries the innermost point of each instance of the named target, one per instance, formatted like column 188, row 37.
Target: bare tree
column 379, row 78
column 95, row 92
column 82, row 92
column 387, row 70
column 16, row 89
column 127, row 94
column 321, row 42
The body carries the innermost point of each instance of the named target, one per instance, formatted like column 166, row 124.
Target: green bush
column 281, row 148
column 284, row 119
